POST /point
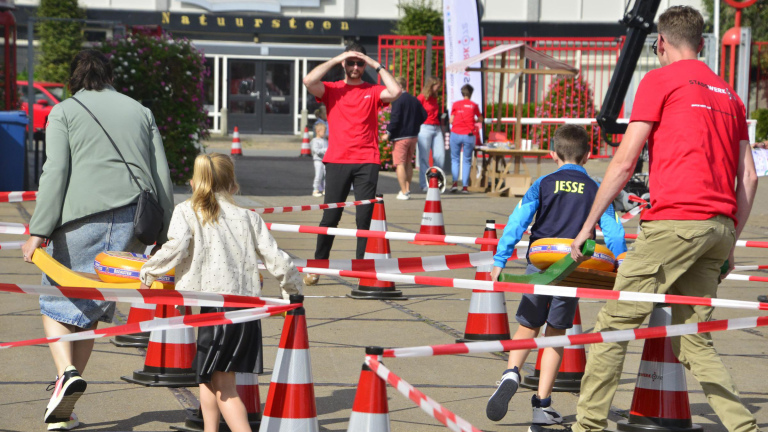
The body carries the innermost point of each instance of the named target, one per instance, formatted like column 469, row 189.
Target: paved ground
column 339, row 328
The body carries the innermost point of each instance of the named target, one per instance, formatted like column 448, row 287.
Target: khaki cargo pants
column 670, row 257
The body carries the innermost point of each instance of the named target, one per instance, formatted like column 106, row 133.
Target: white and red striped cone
column 571, row 367
column 139, row 312
column 432, row 219
column 170, row 355
column 248, row 390
column 660, row 402
column 370, row 411
column 487, row 318
column 306, row 150
column 377, row 248
column 237, row 148
column 291, row 400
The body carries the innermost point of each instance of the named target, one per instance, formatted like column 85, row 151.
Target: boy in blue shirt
column 560, row 213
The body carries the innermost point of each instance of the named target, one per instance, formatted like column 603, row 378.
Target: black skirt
column 228, row 348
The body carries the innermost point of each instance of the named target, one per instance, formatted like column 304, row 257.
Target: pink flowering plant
column 566, row 98
column 385, row 146
column 166, row 74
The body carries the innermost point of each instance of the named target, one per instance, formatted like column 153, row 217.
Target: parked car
column 46, row 96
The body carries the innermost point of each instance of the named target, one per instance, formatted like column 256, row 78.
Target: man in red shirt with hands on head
column 353, row 145
column 702, row 182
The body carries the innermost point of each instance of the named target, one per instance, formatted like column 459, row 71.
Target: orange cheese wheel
column 122, row 267
column 547, row 251
column 620, row 259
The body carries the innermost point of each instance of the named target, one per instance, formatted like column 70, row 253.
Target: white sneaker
column 65, row 425
column 498, row 403
column 402, row 196
column 546, row 416
column 424, row 189
column 317, row 194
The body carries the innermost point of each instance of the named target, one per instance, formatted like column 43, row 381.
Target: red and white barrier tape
column 403, row 265
column 160, row 324
column 13, row 228
column 389, row 235
column 748, row 278
column 17, row 196
column 750, row 267
column 157, row 297
column 301, row 208
column 11, row 245
column 427, row 404
column 549, row 290
column 579, row 339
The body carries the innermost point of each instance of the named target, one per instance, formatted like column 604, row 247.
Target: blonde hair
column 426, row 90
column 214, row 174
column 318, row 127
column 402, row 81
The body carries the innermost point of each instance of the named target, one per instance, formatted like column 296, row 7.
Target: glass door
column 278, row 97
column 245, row 100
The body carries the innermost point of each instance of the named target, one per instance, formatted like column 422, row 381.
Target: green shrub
column 385, row 146
column 761, row 115
column 167, row 75
column 508, row 110
column 566, row 98
column 59, row 40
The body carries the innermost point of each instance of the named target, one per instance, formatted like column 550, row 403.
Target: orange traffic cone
column 170, row 354
column 377, row 248
column 571, row 367
column 660, row 402
column 305, row 149
column 237, row 149
column 248, row 390
column 291, row 400
column 432, row 219
column 139, row 312
column 370, row 411
column 487, row 318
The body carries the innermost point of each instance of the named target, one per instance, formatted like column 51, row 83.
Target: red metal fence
column 758, row 77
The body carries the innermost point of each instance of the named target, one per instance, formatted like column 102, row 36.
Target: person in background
column 404, row 123
column 464, row 114
column 319, row 145
column 86, row 204
column 321, row 117
column 430, row 134
column 215, row 246
column 353, row 144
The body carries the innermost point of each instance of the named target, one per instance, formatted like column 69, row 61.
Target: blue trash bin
column 13, row 131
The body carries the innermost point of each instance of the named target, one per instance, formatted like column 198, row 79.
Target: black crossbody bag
column 148, row 221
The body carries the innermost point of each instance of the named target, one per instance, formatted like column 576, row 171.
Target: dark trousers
column 338, row 180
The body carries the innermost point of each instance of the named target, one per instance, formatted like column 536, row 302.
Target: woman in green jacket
column 86, row 205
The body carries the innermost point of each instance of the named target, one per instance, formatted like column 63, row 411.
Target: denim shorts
column 536, row 310
column 75, row 245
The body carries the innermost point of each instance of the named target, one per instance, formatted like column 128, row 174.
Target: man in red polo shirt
column 702, row 182
column 352, row 157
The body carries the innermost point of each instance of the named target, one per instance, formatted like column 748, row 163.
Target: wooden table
column 501, row 177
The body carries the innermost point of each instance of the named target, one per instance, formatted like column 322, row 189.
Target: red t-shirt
column 694, row 145
column 464, row 112
column 430, row 106
column 353, row 119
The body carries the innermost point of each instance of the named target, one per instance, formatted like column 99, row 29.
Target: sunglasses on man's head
column 358, row 63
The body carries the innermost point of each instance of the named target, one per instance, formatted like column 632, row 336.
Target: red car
column 46, row 96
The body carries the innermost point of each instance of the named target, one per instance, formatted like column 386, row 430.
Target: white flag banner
column 462, row 40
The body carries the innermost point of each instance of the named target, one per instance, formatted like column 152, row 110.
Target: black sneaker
column 498, row 404
column 67, row 390
column 762, row 299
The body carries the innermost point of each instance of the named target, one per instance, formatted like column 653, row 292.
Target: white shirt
column 221, row 257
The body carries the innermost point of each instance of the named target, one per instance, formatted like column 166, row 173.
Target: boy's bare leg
column 517, row 357
column 550, row 364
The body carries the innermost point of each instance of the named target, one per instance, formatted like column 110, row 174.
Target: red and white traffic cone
column 571, row 367
column 432, row 219
column 291, row 400
column 370, row 411
column 660, row 402
column 487, row 318
column 377, row 248
column 139, row 312
column 237, row 149
column 305, row 148
column 170, row 354
column 248, row 390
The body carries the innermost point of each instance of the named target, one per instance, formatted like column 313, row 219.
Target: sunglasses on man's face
column 358, row 63
column 655, row 46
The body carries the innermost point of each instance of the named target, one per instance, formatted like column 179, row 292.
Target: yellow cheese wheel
column 620, row 259
column 122, row 267
column 547, row 251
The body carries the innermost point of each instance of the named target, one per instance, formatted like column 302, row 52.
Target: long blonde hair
column 426, row 90
column 214, row 174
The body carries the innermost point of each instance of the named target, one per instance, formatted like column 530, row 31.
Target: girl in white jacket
column 215, row 247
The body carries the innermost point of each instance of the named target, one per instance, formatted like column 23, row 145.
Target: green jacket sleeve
column 55, row 176
column 161, row 177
